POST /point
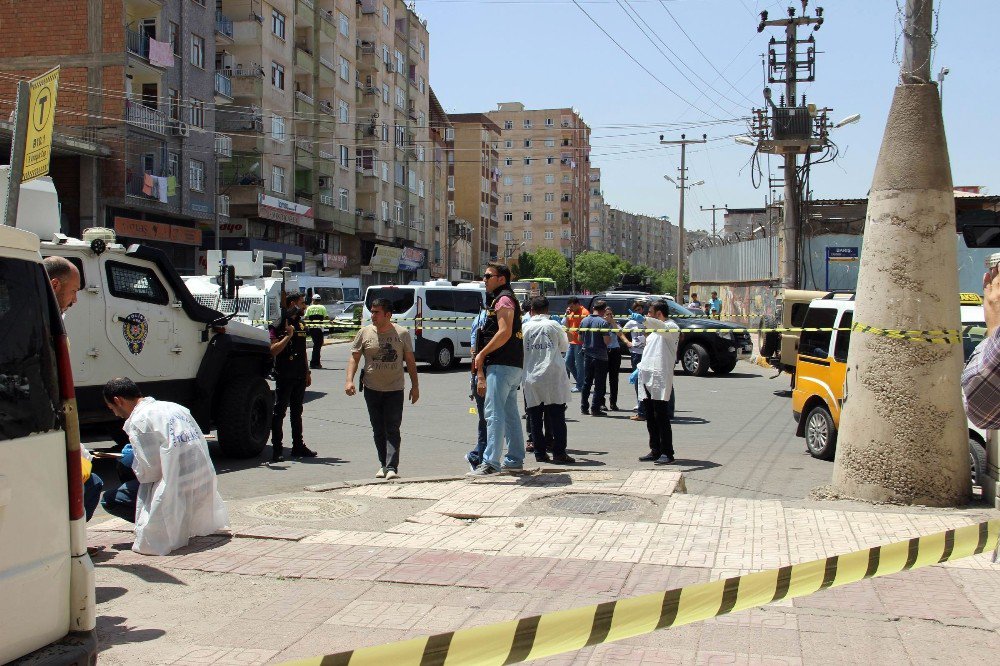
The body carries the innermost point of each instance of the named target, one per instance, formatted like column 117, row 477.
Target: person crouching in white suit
column 174, row 494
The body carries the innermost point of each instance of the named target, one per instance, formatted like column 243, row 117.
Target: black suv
column 699, row 350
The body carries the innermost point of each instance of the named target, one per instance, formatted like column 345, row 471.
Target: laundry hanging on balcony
column 171, row 185
column 160, row 54
column 148, row 185
column 162, row 189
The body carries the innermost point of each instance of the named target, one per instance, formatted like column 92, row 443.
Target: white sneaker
column 380, row 474
column 391, row 474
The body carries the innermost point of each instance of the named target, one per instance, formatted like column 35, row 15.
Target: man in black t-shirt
column 292, row 376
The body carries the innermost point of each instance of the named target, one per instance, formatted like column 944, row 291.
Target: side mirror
column 229, row 282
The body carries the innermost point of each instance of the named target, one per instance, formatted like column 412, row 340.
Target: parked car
column 443, row 340
column 349, row 316
column 698, row 350
column 821, row 372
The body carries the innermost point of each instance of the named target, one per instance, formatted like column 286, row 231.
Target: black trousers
column 317, row 338
column 614, row 369
column 661, row 437
column 550, row 419
column 289, row 394
column 596, row 373
column 385, row 410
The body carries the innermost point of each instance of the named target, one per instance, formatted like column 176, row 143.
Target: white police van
column 438, row 314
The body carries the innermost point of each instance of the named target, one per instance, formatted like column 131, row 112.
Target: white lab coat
column 178, row 498
column 656, row 369
column 544, row 377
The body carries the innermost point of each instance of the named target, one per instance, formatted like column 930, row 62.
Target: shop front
column 180, row 243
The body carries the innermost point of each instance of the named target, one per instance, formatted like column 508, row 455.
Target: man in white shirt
column 655, row 377
column 544, row 383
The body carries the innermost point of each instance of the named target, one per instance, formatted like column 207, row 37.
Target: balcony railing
column 222, row 205
column 303, row 97
column 223, row 24
column 223, row 145
column 145, row 117
column 137, row 43
column 223, row 84
column 327, row 200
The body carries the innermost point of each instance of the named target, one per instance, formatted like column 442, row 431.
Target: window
column 420, row 189
column 343, row 199
column 507, row 180
column 345, row 158
column 508, row 161
column 399, row 211
column 400, row 136
column 385, row 131
column 565, row 233
column 385, row 55
column 385, row 93
column 550, row 217
column 31, row 384
column 345, row 26
column 527, row 161
column 548, row 122
column 278, row 128
column 343, row 111
column 196, row 175
column 527, row 198
column 550, row 196
column 385, row 211
column 451, row 183
column 385, row 171
column 451, row 209
column 550, row 160
column 527, row 143
column 550, row 235
column 420, row 153
column 508, row 144
column 400, row 98
column 278, row 24
column 400, row 61
column 385, row 15
column 508, row 124
column 278, row 179
column 843, row 337
column 198, row 51
column 135, row 283
column 550, row 143
column 400, row 174
column 449, row 134
column 440, row 299
column 817, row 343
column 565, row 177
column 468, row 302
column 412, row 181
column 173, row 162
column 508, row 217
column 507, row 198
column 174, row 35
column 423, row 51
column 508, row 235
column 527, row 180
column 421, row 85
column 527, row 216
column 527, row 123
column 345, row 69
column 277, row 75
column 197, row 112
column 173, row 104
column 526, row 235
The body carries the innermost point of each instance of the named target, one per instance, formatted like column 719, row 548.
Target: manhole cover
column 592, row 504
column 307, row 509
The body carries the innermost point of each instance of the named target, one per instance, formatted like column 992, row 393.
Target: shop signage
column 335, row 260
column 413, row 258
column 385, row 259
column 233, row 229
column 158, row 231
column 289, row 212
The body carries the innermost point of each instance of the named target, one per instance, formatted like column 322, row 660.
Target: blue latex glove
column 634, row 377
column 637, row 316
column 128, row 455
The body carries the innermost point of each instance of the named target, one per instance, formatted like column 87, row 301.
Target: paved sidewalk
column 319, row 572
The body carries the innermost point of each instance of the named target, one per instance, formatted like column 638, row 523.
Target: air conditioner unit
column 369, row 81
column 325, row 181
column 258, row 18
column 390, row 67
column 180, row 129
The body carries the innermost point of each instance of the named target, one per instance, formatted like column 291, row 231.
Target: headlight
column 728, row 335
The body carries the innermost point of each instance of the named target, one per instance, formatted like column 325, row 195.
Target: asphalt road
column 733, row 435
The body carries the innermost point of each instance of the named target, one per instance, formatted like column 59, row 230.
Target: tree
column 524, row 266
column 551, row 264
column 596, row 271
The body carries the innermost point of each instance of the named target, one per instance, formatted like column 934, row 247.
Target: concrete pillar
column 903, row 435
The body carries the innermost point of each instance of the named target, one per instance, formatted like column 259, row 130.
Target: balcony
column 304, row 58
column 222, row 205
column 328, row 71
column 223, row 25
column 329, row 24
column 137, row 43
column 223, row 145
column 247, row 83
column 303, row 103
column 145, row 117
column 368, row 59
column 304, row 13
column 135, row 183
column 223, row 88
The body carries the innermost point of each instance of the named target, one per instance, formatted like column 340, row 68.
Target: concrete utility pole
column 791, row 67
column 714, row 208
column 903, row 435
column 683, row 143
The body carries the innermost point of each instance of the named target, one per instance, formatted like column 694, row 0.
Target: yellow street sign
column 41, row 118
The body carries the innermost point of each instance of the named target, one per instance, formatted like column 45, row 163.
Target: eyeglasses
column 487, row 276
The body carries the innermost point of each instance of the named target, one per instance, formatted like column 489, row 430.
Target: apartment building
column 395, row 210
column 640, row 239
column 451, row 252
column 597, row 219
column 291, row 64
column 545, row 169
column 136, row 148
column 476, row 183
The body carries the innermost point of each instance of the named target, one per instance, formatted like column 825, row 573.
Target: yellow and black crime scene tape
column 569, row 630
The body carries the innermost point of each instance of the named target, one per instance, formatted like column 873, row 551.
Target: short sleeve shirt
column 593, row 340
column 383, row 354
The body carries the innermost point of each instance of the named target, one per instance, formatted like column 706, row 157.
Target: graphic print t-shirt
column 383, row 354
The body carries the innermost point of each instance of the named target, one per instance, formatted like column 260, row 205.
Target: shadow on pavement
column 144, row 572
column 113, row 631
column 689, row 420
column 694, row 465
column 313, row 395
column 103, row 594
column 783, row 393
column 736, row 375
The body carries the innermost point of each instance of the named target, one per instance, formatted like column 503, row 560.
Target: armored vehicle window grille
column 136, row 283
column 207, row 300
column 226, row 305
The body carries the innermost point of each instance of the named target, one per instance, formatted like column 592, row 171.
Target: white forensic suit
column 544, row 379
column 659, row 356
column 178, row 498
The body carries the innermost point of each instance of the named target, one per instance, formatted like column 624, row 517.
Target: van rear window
column 29, row 388
column 401, row 298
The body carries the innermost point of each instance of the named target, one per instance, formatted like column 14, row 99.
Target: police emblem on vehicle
column 134, row 329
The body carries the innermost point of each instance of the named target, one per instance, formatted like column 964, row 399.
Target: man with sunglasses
column 498, row 364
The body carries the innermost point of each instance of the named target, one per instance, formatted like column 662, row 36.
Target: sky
column 549, row 54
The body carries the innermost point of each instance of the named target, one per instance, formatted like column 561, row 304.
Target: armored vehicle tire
column 244, row 418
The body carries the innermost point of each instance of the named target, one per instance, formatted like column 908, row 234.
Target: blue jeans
column 121, row 501
column 476, row 454
column 502, row 417
column 574, row 364
column 92, row 488
column 642, row 403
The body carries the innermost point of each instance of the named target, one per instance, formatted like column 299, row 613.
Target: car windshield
column 401, row 299
column 972, row 334
column 680, row 310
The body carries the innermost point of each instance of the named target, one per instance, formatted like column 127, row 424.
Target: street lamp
column 745, row 140
column 940, row 79
column 849, row 120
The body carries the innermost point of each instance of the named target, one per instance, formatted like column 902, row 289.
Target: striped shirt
column 981, row 383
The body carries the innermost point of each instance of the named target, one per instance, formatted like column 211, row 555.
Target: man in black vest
column 292, row 376
column 498, row 365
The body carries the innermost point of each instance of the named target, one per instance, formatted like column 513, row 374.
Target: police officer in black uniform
column 292, row 376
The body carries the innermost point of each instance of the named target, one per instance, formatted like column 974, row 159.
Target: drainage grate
column 306, row 509
column 593, row 504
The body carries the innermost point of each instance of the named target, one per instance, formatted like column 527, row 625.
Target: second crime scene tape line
column 569, row 630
